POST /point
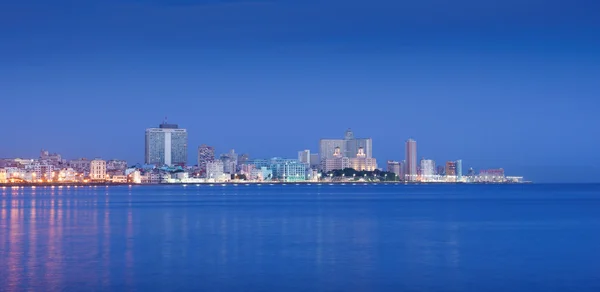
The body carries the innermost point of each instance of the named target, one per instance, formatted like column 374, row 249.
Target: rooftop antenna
column 165, row 121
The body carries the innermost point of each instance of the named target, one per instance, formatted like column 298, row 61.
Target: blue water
column 301, row 238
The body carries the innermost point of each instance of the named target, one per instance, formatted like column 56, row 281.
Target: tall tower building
column 459, row 173
column 411, row 160
column 450, row 168
column 206, row 154
column 166, row 145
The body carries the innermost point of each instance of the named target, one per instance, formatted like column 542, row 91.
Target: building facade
column 166, row 145
column 411, row 160
column 214, row 169
column 337, row 161
column 361, row 162
column 459, row 173
column 427, row 170
column 315, row 161
column 230, row 162
column 98, row 170
column 116, row 164
column 289, row 171
column 80, row 165
column 450, row 168
column 349, row 146
column 304, row 156
column 206, row 154
column 395, row 167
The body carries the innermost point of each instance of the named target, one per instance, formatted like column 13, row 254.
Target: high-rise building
column 459, row 173
column 427, row 169
column 349, row 146
column 411, row 160
column 304, row 156
column 98, row 170
column 166, row 145
column 450, row 168
column 206, row 154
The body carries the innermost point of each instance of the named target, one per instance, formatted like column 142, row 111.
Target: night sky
column 513, row 84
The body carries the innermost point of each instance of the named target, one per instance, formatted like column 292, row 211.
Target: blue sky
column 511, row 84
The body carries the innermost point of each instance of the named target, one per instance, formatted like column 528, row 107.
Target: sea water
column 301, row 238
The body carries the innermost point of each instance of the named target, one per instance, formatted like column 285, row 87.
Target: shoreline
column 76, row 185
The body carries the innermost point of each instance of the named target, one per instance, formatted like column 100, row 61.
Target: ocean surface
column 301, row 238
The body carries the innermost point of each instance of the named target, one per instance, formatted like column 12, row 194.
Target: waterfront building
column 116, row 165
column 206, row 154
column 362, row 163
column 338, row 161
column 249, row 171
column 491, row 175
column 264, row 174
column 242, row 159
column 80, row 165
column 393, row 167
column 53, row 159
column 3, row 176
column 230, row 161
column 411, row 160
column 450, row 168
column 289, row 170
column 396, row 168
column 304, row 156
column 427, row 170
column 440, row 170
column 214, row 169
column 166, row 145
column 459, row 173
column 315, row 161
column 135, row 177
column 67, row 175
column 258, row 163
column 98, row 170
column 349, row 146
column 119, row 179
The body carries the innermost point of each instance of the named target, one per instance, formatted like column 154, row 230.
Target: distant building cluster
column 166, row 157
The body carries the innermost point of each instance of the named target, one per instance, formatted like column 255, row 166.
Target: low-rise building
column 121, row 179
column 80, row 165
column 214, row 169
column 289, row 171
column 116, row 165
column 98, row 170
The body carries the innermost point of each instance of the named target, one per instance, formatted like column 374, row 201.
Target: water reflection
column 144, row 238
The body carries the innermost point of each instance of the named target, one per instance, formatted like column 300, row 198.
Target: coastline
column 76, row 185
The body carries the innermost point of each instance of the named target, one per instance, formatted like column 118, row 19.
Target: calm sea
column 301, row 238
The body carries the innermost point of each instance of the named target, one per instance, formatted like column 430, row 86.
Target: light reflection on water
column 371, row 238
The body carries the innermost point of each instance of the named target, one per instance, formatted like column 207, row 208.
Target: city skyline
column 495, row 84
column 193, row 158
